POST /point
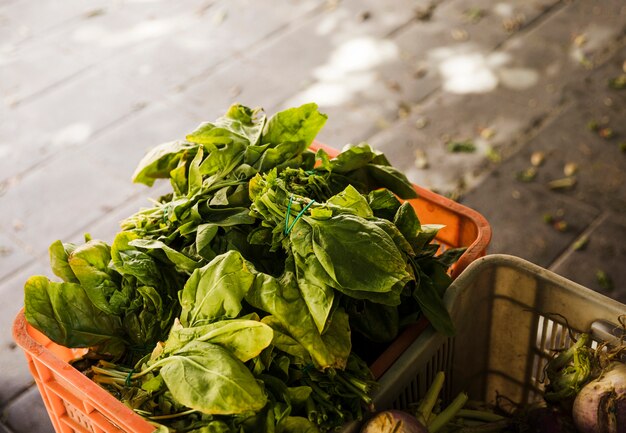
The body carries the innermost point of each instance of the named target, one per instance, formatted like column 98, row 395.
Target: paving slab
column 368, row 96
column 66, row 117
column 531, row 73
column 53, row 202
column 596, row 167
column 33, row 68
column 597, row 260
column 36, row 19
column 119, row 149
column 12, row 256
column 27, row 413
column 238, row 81
column 517, row 214
column 15, row 377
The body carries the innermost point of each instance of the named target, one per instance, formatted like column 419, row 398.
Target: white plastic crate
column 506, row 313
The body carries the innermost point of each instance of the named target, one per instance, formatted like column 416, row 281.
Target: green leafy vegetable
column 244, row 300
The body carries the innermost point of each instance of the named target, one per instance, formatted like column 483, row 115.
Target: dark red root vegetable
column 393, row 421
column 600, row 407
column 548, row 419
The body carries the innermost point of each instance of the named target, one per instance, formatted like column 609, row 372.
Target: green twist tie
column 128, row 377
column 288, row 226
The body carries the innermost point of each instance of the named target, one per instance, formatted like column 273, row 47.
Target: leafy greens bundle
column 233, row 303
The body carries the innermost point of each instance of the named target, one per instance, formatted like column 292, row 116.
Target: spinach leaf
column 281, row 299
column 65, row 313
column 428, row 296
column 129, row 260
column 59, row 254
column 162, row 159
column 208, row 378
column 90, row 264
column 294, row 125
column 243, row 338
column 239, row 123
column 357, row 255
column 178, row 259
column 216, row 290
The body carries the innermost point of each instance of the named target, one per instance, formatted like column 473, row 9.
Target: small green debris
column 593, row 126
column 581, row 243
column 527, row 175
column 493, row 155
column 604, row 280
column 618, row 83
column 475, row 14
column 622, row 146
column 557, row 222
column 466, row 146
column 563, row 183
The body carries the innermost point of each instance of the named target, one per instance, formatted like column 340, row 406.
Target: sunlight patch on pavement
column 349, row 70
column 466, row 69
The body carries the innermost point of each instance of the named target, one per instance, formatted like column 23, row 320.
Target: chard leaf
column 216, row 290
column 294, row 125
column 243, row 338
column 162, row 159
column 65, row 313
column 206, row 377
column 59, row 254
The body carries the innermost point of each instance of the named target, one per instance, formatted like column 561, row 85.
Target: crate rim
column 508, row 260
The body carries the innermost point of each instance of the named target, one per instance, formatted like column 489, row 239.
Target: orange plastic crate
column 78, row 405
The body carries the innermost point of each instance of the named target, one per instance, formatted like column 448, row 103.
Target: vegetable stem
column 446, row 415
column 480, row 415
column 430, row 399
